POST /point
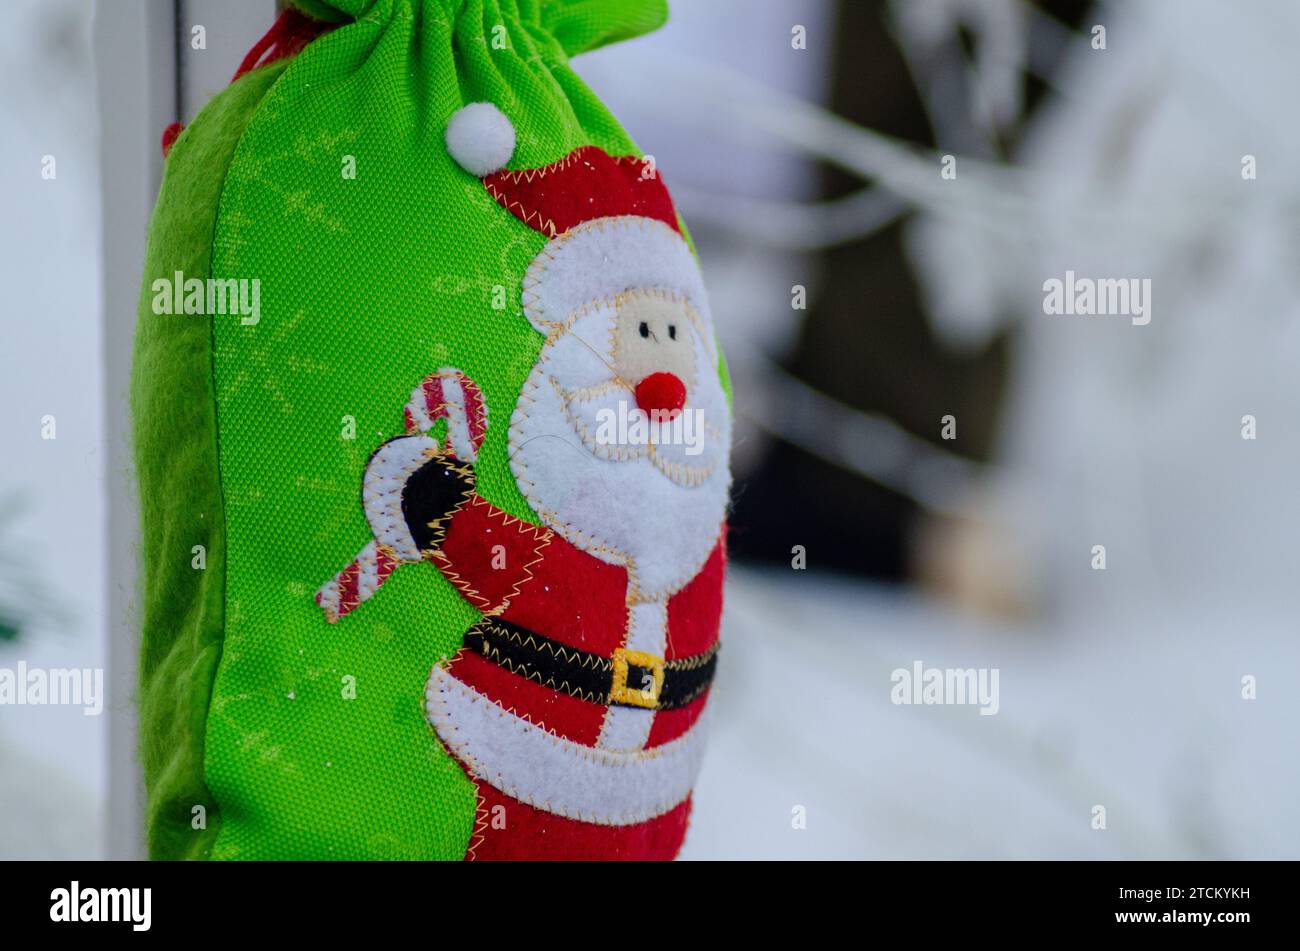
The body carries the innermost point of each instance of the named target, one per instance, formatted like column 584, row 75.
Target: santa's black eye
column 672, row 331
column 645, row 329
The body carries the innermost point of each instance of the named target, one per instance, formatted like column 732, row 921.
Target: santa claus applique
column 576, row 701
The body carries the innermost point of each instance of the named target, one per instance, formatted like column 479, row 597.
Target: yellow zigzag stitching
column 544, row 535
column 544, row 225
column 571, row 655
column 583, row 659
column 523, row 670
column 530, row 175
column 479, row 832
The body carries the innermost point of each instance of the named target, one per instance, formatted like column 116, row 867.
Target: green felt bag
column 356, row 256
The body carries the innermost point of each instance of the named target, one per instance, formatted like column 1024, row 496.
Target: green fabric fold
column 578, row 25
column 175, row 444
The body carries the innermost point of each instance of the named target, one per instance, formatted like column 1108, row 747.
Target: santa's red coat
column 536, row 579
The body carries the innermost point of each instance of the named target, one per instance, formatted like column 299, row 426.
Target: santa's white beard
column 657, row 510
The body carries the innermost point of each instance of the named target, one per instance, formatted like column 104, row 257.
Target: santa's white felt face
column 621, row 435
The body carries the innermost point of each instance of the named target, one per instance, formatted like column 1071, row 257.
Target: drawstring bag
column 432, row 438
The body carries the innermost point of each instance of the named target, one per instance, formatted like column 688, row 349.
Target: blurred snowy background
column 803, row 140
column 53, row 760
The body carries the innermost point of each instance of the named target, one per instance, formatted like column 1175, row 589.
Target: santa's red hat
column 587, row 183
column 610, row 219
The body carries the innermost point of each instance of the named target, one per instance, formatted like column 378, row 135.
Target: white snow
column 1141, row 713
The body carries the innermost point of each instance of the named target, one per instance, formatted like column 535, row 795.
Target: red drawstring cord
column 287, row 36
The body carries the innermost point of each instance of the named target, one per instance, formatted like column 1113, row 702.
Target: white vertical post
column 229, row 30
column 135, row 66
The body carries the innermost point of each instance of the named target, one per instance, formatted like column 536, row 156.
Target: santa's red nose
column 661, row 393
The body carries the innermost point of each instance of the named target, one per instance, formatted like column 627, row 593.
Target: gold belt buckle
column 643, row 695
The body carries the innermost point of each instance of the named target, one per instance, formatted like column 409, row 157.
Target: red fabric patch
column 490, row 555
column 475, row 413
column 170, row 135
column 571, row 717
column 574, row 598
column 432, row 388
column 529, row 833
column 348, row 588
column 668, row 725
column 588, row 183
column 577, row 599
column 385, row 564
column 695, row 612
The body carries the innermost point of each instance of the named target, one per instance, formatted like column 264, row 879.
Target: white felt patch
column 584, row 347
column 647, row 628
column 381, row 491
column 628, row 728
column 368, row 573
column 603, row 258
column 458, row 441
column 544, row 770
column 586, row 409
column 625, row 728
column 655, row 509
column 481, row 139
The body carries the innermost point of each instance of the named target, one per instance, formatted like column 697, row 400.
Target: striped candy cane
column 447, row 394
column 450, row 395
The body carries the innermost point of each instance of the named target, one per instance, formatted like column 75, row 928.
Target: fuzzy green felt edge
column 176, row 463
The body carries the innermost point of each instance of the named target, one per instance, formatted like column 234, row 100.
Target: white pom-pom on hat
column 481, row 139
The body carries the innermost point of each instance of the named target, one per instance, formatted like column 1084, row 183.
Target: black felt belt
column 629, row 678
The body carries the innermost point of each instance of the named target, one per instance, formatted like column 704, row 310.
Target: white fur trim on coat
column 546, row 771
